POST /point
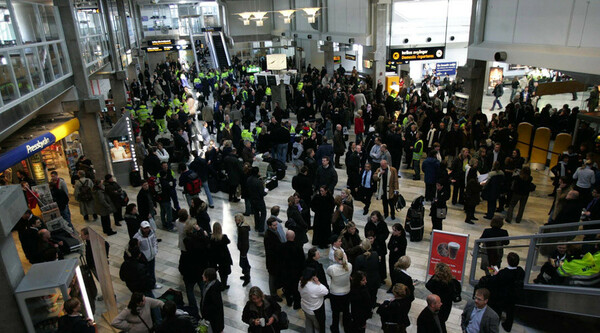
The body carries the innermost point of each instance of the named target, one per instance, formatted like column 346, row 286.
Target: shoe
column 118, row 224
column 415, row 178
column 499, row 210
column 504, row 327
column 376, row 305
column 296, row 306
column 246, row 282
column 158, row 240
column 157, row 286
column 474, row 218
column 552, row 194
column 85, row 217
column 95, row 216
column 278, row 298
column 365, row 212
column 393, row 217
column 110, row 233
column 224, row 288
column 211, row 206
column 246, row 214
column 469, row 222
column 236, row 200
column 487, row 217
column 507, row 221
column 385, row 217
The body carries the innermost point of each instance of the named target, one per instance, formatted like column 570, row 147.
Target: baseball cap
column 145, row 224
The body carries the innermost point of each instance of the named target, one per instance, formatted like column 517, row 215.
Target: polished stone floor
column 234, row 299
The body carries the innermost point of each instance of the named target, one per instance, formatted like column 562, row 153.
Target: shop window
column 7, row 87
column 44, row 57
column 7, row 33
column 21, row 74
column 54, row 60
column 49, row 23
column 34, row 67
column 27, row 22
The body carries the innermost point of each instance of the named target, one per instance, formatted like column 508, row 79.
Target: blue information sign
column 445, row 68
column 25, row 150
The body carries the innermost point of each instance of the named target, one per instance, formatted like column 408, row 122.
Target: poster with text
column 449, row 248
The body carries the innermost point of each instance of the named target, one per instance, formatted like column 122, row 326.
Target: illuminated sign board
column 161, row 42
column 350, row 57
column 418, row 53
column 168, row 48
column 337, row 59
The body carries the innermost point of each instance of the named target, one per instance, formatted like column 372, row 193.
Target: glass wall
column 165, row 19
column 32, row 49
column 93, row 38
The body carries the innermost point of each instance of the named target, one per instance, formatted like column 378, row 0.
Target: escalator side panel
column 577, row 304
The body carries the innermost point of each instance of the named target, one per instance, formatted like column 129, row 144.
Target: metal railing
column 533, row 243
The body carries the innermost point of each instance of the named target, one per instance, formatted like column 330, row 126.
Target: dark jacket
column 472, row 192
column 494, row 255
column 74, row 324
column 211, row 306
column 233, row 168
column 430, row 168
column 256, row 188
column 194, row 260
column 339, row 145
column 351, row 245
column 151, row 164
column 397, row 248
column 439, row 200
column 360, row 305
column 396, row 311
column 303, row 185
column 370, row 266
column 200, row 166
column 399, row 276
column 446, row 293
column 133, row 224
column 269, row 308
column 176, row 325
column 293, row 262
column 494, row 186
column 326, row 176
column 220, row 256
column 298, row 225
column 135, row 274
column 326, row 149
column 243, row 238
column 489, row 321
column 381, row 234
column 145, row 203
column 273, row 248
column 102, row 203
column 426, row 323
column 318, row 267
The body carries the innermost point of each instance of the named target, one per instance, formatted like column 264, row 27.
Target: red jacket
column 359, row 125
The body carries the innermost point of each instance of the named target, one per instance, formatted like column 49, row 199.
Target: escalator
column 574, row 299
column 218, row 50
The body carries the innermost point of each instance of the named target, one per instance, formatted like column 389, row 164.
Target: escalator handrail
column 533, row 243
column 566, row 225
column 225, row 48
column 211, row 48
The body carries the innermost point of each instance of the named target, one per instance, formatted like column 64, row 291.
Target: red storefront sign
column 451, row 249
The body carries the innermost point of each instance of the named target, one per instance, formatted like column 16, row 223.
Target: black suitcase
column 135, row 179
column 271, row 183
column 213, row 185
column 414, row 223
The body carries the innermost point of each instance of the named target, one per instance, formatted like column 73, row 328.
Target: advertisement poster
column 120, row 150
column 496, row 76
column 449, row 248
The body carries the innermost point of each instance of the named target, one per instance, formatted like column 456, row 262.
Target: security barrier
column 524, row 145
column 539, row 152
column 561, row 143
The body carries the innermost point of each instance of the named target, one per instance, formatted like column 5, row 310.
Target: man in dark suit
column 495, row 155
column 367, row 187
column 428, row 321
column 477, row 316
column 509, row 284
column 293, row 265
column 273, row 247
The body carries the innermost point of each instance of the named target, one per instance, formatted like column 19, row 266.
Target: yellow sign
column 396, row 55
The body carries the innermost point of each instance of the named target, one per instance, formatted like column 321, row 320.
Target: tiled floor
column 235, row 298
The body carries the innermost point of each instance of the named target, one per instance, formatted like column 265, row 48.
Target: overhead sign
column 337, row 59
column 451, row 249
column 350, row 57
column 276, row 62
column 445, row 68
column 391, row 66
column 418, row 53
column 168, row 48
column 161, row 42
column 211, row 29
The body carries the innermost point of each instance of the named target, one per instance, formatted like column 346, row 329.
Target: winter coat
column 299, row 226
column 85, row 207
column 220, row 256
column 103, row 206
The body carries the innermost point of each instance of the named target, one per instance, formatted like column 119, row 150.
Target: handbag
column 440, row 213
column 283, row 322
column 457, row 291
column 124, row 198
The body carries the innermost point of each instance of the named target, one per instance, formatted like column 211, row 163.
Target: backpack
column 194, row 186
column 85, row 192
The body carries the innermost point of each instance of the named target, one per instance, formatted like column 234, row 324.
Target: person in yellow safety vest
column 196, row 82
column 292, row 129
column 257, row 130
column 394, row 94
column 176, row 102
column 154, row 102
column 244, row 95
column 129, row 107
column 268, row 91
column 229, row 125
column 243, row 69
column 300, row 86
column 247, row 135
column 216, row 85
column 417, row 152
column 143, row 114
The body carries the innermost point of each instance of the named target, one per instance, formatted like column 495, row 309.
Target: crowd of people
column 218, row 126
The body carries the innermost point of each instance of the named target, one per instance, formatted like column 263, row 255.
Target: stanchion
column 539, row 152
column 524, row 144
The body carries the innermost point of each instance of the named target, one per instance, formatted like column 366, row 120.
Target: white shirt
column 148, row 245
column 118, row 153
column 340, row 279
column 312, row 296
column 163, row 155
column 332, row 253
column 585, row 177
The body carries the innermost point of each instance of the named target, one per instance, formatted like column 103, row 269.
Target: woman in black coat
column 312, row 261
column 261, row 307
column 304, row 209
column 472, row 193
column 322, row 204
column 394, row 313
column 211, row 306
column 494, row 256
column 351, row 242
column 360, row 301
column 132, row 219
column 399, row 274
column 396, row 245
column 193, row 261
column 221, row 258
column 73, row 321
column 368, row 262
column 441, row 196
column 199, row 211
column 298, row 225
column 492, row 189
column 376, row 223
column 442, row 283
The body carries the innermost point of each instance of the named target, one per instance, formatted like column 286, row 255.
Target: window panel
column 49, row 23
column 20, row 69
column 34, row 67
column 7, row 88
column 54, row 60
column 7, row 32
column 27, row 22
column 44, row 58
column 63, row 59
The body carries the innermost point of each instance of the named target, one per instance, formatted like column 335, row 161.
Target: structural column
column 379, row 42
column 328, row 54
column 474, row 75
column 89, row 106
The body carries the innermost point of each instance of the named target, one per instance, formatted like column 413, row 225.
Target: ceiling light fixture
column 259, row 16
column 287, row 15
column 311, row 12
column 246, row 17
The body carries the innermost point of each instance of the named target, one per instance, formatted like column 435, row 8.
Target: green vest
column 244, row 95
column 417, row 154
column 300, row 85
column 197, row 80
column 258, row 130
column 143, row 114
column 223, row 126
column 268, row 91
column 247, row 135
column 252, row 79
